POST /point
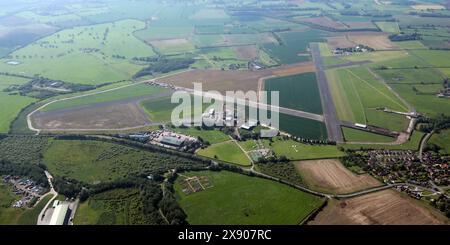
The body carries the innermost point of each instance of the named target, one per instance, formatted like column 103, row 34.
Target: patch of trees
column 23, row 149
column 33, row 171
column 430, row 14
column 146, row 59
column 427, row 125
column 283, row 170
column 164, row 66
column 443, row 204
column 404, row 37
column 170, row 208
column 41, row 88
column 355, row 159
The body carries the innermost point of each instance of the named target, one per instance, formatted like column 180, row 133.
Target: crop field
column 94, row 162
column 331, row 176
column 212, row 136
column 63, row 55
column 298, row 151
column 227, row 80
column 115, row 207
column 173, row 46
column 441, row 139
column 226, row 151
column 389, row 27
column 214, row 40
column 160, row 109
column 379, row 56
column 302, row 127
column 374, row 40
column 325, row 22
column 294, row 46
column 381, row 208
column 355, row 135
column 296, row 92
column 239, row 199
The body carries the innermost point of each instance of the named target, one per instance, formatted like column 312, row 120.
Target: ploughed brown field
column 330, row 175
column 244, row 80
column 111, row 116
column 324, row 21
column 383, row 207
column 376, row 40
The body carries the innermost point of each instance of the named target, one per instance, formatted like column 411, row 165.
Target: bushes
column 34, row 172
column 165, row 66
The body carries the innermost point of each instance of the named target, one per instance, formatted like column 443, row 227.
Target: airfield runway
column 329, row 111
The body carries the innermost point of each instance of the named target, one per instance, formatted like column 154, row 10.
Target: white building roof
column 59, row 215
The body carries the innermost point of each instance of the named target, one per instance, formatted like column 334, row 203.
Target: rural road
column 51, row 192
column 329, row 111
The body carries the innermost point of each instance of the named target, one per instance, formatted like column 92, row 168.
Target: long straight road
column 329, row 111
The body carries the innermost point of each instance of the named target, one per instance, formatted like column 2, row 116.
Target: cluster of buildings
column 27, row 188
column 444, row 93
column 349, row 50
column 165, row 138
column 406, row 166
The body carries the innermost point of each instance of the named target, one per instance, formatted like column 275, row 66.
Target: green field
column 298, row 92
column 357, row 94
column 294, row 46
column 302, row 127
column 118, row 94
column 160, row 110
column 355, row 135
column 412, row 144
column 18, row 216
column 115, row 207
column 95, row 161
column 442, row 139
column 239, row 199
column 248, row 145
column 298, row 151
column 212, row 136
column 390, row 27
column 84, row 54
column 226, row 151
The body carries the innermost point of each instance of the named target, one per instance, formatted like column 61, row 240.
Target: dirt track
column 330, row 174
column 384, row 207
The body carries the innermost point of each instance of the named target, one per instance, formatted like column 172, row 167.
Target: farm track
column 331, row 121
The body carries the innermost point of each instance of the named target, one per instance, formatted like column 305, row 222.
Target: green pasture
column 226, row 151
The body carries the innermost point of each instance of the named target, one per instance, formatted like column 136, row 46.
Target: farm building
column 172, row 141
column 60, row 214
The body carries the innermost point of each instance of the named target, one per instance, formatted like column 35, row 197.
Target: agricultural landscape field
column 90, row 113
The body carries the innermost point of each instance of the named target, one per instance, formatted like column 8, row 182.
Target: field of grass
column 442, row 139
column 390, row 27
column 411, row 45
column 378, row 56
column 10, row 106
column 239, row 199
column 119, row 94
column 248, row 145
column 226, row 151
column 298, row 151
column 355, row 135
column 84, row 54
column 412, row 144
column 294, row 46
column 298, row 92
column 95, row 161
column 115, row 207
column 302, row 127
column 160, row 110
column 212, row 136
